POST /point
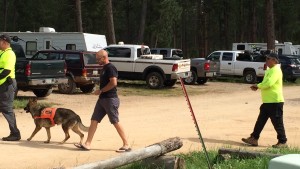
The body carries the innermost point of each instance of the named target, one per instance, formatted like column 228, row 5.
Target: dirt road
column 225, row 116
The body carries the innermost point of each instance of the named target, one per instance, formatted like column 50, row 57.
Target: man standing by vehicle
column 107, row 104
column 272, row 106
column 8, row 87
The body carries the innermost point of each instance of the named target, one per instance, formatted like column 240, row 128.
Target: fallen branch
column 154, row 150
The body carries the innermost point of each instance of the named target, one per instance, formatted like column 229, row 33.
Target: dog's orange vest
column 47, row 113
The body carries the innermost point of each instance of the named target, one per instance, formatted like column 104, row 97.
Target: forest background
column 196, row 26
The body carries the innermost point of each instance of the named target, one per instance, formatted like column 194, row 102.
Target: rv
column 47, row 38
column 281, row 48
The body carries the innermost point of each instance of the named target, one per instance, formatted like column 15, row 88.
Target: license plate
column 210, row 74
column 48, row 81
column 95, row 72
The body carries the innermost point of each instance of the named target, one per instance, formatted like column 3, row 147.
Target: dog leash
column 195, row 122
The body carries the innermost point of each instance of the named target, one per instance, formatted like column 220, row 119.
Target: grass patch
column 197, row 160
column 20, row 103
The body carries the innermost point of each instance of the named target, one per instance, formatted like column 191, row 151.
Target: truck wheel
column 202, row 80
column 192, row 79
column 87, row 88
column 154, row 80
column 42, row 92
column 67, row 88
column 250, row 77
column 170, row 83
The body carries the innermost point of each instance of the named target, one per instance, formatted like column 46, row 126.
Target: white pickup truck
column 237, row 63
column 135, row 62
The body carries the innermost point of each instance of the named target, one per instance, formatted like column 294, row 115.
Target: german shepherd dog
column 66, row 117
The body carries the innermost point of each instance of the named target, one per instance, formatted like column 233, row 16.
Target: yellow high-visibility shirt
column 271, row 86
column 7, row 61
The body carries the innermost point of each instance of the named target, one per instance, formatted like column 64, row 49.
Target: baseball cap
column 5, row 37
column 273, row 56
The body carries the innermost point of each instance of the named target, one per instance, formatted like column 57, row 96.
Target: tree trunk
column 253, row 19
column 154, row 150
column 110, row 23
column 78, row 16
column 270, row 25
column 142, row 22
column 5, row 6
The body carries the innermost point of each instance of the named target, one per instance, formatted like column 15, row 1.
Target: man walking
column 107, row 104
column 8, row 87
column 272, row 106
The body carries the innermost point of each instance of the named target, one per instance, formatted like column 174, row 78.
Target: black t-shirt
column 108, row 71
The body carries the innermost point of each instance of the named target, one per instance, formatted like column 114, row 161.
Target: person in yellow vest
column 272, row 106
column 8, row 87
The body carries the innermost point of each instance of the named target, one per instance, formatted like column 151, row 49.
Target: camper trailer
column 281, row 48
column 48, row 38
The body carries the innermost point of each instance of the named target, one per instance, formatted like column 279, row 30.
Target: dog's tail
column 81, row 126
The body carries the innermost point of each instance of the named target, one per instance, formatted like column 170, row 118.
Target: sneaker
column 280, row 145
column 251, row 141
column 12, row 138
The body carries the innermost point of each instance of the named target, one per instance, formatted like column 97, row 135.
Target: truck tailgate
column 47, row 68
column 183, row 65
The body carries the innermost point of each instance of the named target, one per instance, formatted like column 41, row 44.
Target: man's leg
column 91, row 133
column 261, row 121
column 121, row 133
column 14, row 131
column 277, row 121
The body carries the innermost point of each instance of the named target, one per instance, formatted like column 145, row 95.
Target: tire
column 191, row 80
column 67, row 88
column 170, row 83
column 42, row 92
column 87, row 88
column 154, row 80
column 202, row 80
column 250, row 77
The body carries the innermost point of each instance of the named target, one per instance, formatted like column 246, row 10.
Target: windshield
column 89, row 58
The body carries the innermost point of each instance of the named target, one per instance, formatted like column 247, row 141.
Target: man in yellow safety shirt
column 272, row 106
column 8, row 87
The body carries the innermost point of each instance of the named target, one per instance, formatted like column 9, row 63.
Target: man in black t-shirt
column 107, row 104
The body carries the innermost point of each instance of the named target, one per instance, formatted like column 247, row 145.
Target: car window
column 41, row 56
column 89, row 58
column 295, row 61
column 119, row 52
column 214, row 56
column 164, row 53
column 227, row 56
column 154, row 51
column 73, row 60
column 177, row 53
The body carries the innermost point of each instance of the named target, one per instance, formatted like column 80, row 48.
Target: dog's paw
column 28, row 139
column 46, row 141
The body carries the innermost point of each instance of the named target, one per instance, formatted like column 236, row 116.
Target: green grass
column 20, row 103
column 197, row 160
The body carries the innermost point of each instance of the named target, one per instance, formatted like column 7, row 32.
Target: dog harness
column 47, row 113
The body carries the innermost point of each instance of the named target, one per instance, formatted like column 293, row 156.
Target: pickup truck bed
column 38, row 76
column 132, row 64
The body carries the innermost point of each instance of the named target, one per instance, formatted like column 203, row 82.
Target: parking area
column 226, row 112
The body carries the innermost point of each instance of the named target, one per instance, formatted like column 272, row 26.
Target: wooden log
column 154, row 150
column 165, row 162
column 245, row 154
